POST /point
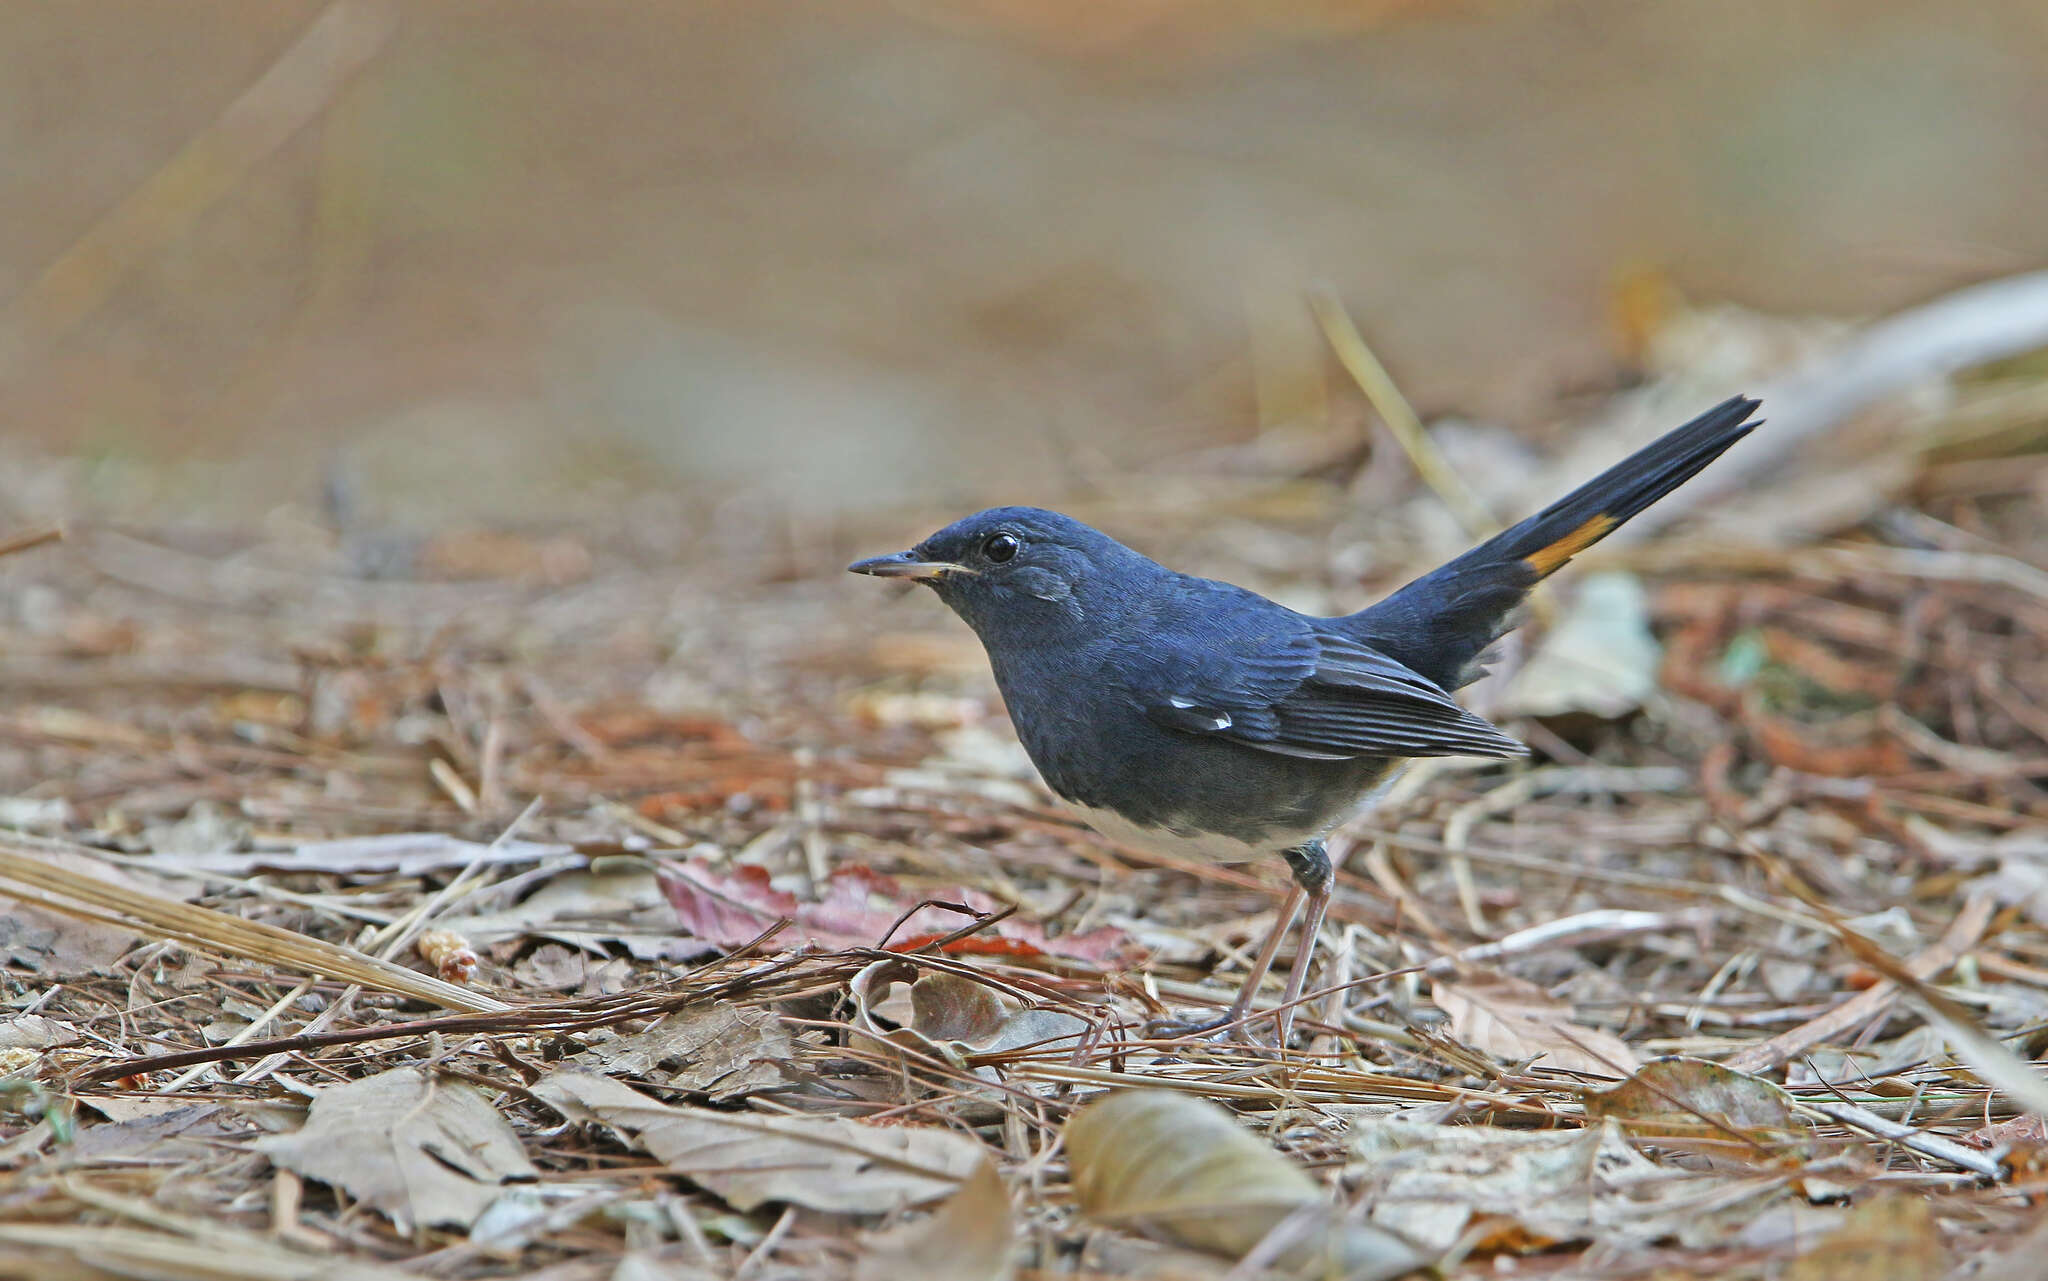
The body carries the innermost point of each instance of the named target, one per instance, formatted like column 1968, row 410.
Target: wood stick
column 1962, row 935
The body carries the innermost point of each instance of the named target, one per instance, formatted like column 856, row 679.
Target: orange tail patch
column 1546, row 561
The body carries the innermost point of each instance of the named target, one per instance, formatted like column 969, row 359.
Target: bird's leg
column 1263, row 962
column 1312, row 873
column 1312, row 880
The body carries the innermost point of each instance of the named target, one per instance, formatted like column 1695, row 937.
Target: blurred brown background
column 521, row 262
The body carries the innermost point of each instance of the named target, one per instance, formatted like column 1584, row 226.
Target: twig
column 29, row 878
column 1981, row 1164
column 388, row 941
column 760, row 1253
column 294, row 90
column 1382, row 869
column 248, row 1032
column 393, row 938
column 1961, row 935
column 34, row 538
column 568, row 1016
column 1401, row 419
column 1990, row 1058
column 1595, row 926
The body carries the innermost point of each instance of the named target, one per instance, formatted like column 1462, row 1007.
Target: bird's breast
column 1191, row 796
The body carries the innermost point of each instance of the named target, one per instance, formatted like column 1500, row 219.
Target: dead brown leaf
column 1598, row 658
column 1513, row 1019
column 425, row 1151
column 1181, row 1167
column 1693, row 1099
column 953, row 1018
column 822, row 1163
column 169, row 1135
column 60, row 946
column 35, row 1032
column 969, row 1237
column 720, row 1049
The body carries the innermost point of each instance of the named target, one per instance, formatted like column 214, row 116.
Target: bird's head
column 1015, row 571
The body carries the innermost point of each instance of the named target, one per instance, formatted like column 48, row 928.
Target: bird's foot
column 1228, row 1025
column 1183, row 1029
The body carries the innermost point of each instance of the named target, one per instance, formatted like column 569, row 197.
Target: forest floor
column 582, row 904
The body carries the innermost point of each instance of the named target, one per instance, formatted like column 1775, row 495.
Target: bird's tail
column 1440, row 624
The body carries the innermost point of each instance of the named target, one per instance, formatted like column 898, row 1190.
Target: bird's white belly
column 1208, row 847
column 1214, row 847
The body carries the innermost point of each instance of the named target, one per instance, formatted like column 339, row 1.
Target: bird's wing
column 1280, row 685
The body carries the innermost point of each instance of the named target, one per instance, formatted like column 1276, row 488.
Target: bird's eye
column 1000, row 547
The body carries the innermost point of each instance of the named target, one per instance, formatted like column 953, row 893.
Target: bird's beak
column 906, row 565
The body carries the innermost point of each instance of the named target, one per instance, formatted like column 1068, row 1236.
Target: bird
column 1201, row 719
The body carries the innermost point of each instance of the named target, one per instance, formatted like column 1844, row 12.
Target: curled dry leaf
column 424, row 1151
column 1183, row 1168
column 953, row 1018
column 969, row 1237
column 1513, row 1019
column 1732, row 1114
column 821, row 1163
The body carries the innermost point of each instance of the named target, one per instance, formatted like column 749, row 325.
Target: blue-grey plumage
column 1181, row 703
column 1192, row 714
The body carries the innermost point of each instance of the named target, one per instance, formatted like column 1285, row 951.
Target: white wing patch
column 1218, row 721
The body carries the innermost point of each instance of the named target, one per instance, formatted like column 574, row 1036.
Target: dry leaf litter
column 656, row 921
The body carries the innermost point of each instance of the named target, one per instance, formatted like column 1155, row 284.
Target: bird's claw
column 1229, row 1026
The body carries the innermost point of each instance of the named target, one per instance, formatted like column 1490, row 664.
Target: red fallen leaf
column 972, row 945
column 728, row 913
column 858, row 907
column 2017, row 1131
